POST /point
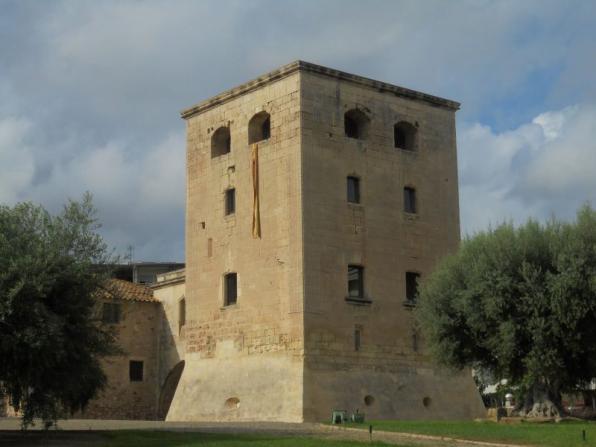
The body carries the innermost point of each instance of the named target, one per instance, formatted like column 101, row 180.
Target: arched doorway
column 169, row 389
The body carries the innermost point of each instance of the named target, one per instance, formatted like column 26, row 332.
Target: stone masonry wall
column 389, row 376
column 170, row 290
column 244, row 361
column 137, row 335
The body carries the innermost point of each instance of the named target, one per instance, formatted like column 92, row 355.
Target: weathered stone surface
column 137, row 334
column 286, row 349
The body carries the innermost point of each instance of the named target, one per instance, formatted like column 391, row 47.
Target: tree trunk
column 541, row 401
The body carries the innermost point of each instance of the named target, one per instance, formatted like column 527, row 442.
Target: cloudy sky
column 90, row 94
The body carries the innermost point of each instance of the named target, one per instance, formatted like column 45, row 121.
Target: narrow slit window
column 230, row 289
column 230, row 201
column 410, row 205
column 181, row 314
column 412, row 279
column 357, row 339
column 355, row 282
column 353, row 190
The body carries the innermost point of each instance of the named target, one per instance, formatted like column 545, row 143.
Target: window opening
column 357, row 339
column 412, row 279
column 221, row 142
column 353, row 190
column 410, row 205
column 135, row 371
column 259, row 127
column 404, row 135
column 355, row 282
column 356, row 124
column 230, row 289
column 230, row 201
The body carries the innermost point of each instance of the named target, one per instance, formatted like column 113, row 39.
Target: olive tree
column 50, row 344
column 519, row 302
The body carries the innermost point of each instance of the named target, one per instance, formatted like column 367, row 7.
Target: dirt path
column 80, row 432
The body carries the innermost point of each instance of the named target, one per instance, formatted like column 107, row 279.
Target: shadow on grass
column 187, row 439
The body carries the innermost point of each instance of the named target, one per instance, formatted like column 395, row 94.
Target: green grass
column 147, row 438
column 564, row 434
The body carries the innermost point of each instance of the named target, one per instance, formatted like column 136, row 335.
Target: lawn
column 564, row 434
column 178, row 439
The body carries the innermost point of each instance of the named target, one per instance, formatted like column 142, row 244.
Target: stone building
column 316, row 200
column 135, row 316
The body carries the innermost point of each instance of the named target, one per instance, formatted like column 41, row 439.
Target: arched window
column 221, row 142
column 404, row 136
column 259, row 127
column 356, row 124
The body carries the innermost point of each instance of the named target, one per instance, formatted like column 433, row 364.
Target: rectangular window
column 409, row 200
column 230, row 201
column 355, row 282
column 110, row 313
column 230, row 289
column 135, row 371
column 357, row 335
column 412, row 286
column 353, row 190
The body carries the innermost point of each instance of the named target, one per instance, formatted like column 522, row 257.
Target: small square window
column 355, row 282
column 110, row 313
column 230, row 201
column 412, row 286
column 135, row 371
column 353, row 190
column 230, row 289
column 410, row 200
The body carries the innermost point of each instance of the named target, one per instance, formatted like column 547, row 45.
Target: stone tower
column 316, row 199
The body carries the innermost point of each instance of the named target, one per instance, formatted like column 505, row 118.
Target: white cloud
column 541, row 168
column 90, row 94
column 139, row 194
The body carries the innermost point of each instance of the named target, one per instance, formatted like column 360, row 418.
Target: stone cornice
column 296, row 66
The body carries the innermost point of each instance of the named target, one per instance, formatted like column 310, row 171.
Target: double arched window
column 259, row 129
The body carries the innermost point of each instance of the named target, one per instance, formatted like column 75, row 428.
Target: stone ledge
column 296, row 66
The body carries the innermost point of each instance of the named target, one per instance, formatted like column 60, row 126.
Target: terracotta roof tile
column 126, row 290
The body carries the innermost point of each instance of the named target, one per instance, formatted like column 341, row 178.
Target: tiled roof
column 126, row 290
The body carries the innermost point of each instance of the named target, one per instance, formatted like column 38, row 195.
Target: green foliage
column 49, row 341
column 518, row 302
